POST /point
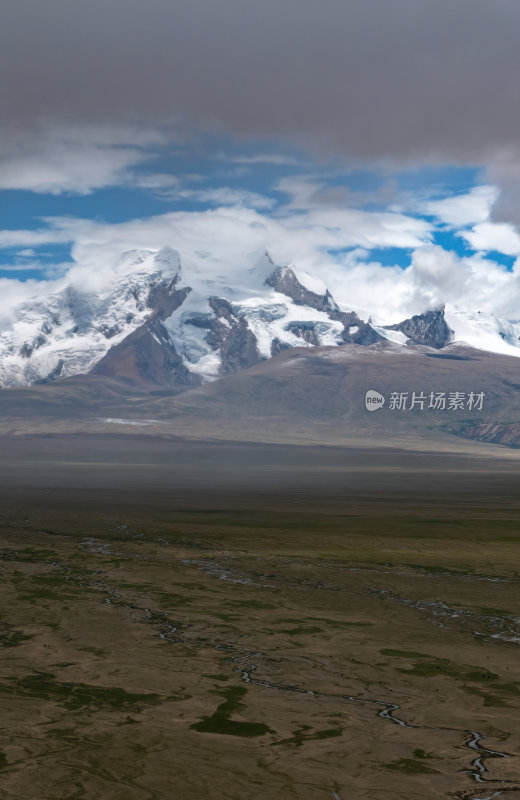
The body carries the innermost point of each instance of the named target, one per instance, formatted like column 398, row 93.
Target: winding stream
column 169, row 631
column 477, row 767
column 441, row 613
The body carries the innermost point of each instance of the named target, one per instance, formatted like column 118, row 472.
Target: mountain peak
column 429, row 328
column 285, row 280
column 148, row 322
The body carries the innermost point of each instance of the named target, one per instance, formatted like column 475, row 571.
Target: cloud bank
column 73, row 158
column 98, row 94
column 336, row 245
column 406, row 80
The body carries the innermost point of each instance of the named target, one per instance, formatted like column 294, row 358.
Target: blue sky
column 371, row 144
column 387, row 239
column 156, row 177
column 365, row 138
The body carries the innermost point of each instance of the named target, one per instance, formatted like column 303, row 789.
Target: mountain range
column 264, row 354
column 152, row 322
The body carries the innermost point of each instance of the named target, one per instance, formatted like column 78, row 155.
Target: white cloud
column 474, row 282
column 301, row 189
column 55, row 230
column 368, row 287
column 488, row 236
column 325, row 229
column 437, row 276
column 275, row 159
column 71, row 159
column 221, row 243
column 49, row 271
column 433, row 278
column 331, row 243
column 310, row 191
column 305, row 236
column 14, row 292
column 223, row 196
column 464, row 209
column 156, row 181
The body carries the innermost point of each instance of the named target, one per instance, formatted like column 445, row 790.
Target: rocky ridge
column 156, row 324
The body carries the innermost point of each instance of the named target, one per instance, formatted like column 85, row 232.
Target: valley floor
column 239, row 622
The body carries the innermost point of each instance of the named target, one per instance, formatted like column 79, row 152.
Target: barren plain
column 236, row 621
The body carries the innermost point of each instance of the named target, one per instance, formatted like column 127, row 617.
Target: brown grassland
column 349, row 631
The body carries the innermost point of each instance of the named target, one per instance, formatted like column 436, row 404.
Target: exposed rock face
column 164, row 299
column 230, row 334
column 277, row 346
column 222, row 308
column 355, row 330
column 147, row 355
column 308, row 331
column 216, row 329
column 284, row 280
column 27, row 350
column 366, row 335
column 109, row 332
column 240, row 348
column 429, row 329
column 494, row 432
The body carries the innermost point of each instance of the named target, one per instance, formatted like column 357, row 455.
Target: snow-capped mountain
column 69, row 330
column 155, row 321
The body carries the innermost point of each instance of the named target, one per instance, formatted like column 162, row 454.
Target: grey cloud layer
column 387, row 79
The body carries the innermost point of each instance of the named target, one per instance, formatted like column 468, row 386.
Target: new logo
column 373, row 400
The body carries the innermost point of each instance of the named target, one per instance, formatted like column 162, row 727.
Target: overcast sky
column 122, row 111
column 397, row 79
